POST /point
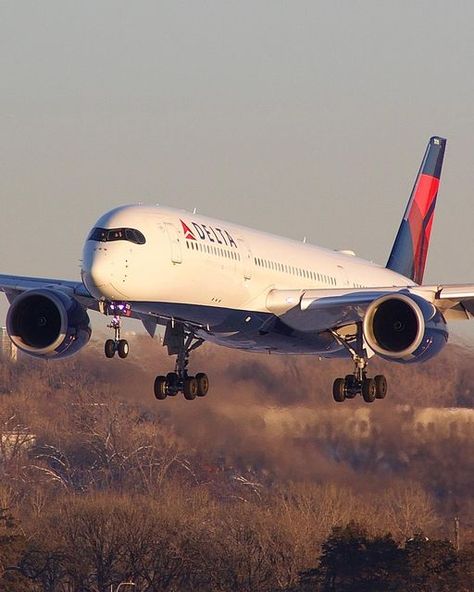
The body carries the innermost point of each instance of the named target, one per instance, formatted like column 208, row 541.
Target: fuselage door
column 175, row 242
column 245, row 258
column 343, row 280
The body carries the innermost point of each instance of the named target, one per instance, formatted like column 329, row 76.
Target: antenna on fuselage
column 194, row 210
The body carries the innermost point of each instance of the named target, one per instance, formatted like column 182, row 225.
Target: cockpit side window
column 115, row 234
column 134, row 236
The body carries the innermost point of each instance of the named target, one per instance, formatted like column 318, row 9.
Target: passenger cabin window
column 116, row 234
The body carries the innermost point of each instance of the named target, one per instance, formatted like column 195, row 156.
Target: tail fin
column 409, row 251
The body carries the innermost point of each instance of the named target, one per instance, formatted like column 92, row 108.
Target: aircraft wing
column 13, row 285
column 456, row 301
column 319, row 310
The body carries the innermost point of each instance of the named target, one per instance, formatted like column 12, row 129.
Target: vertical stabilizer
column 410, row 249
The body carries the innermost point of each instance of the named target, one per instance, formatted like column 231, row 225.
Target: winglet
column 410, row 249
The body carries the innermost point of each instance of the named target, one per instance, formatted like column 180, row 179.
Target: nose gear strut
column 181, row 342
column 117, row 344
column 357, row 383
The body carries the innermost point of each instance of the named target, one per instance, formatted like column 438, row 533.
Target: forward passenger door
column 175, row 242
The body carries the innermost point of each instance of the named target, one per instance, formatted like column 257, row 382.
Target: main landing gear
column 358, row 383
column 116, row 345
column 181, row 343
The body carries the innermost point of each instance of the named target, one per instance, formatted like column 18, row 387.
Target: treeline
column 186, row 542
column 100, row 484
column 353, row 561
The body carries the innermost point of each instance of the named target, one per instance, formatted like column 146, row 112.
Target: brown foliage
column 237, row 491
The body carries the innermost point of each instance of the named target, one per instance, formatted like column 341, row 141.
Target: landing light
column 119, row 308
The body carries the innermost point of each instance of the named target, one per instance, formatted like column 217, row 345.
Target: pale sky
column 300, row 118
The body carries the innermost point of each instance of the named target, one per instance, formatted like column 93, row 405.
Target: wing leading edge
column 13, row 285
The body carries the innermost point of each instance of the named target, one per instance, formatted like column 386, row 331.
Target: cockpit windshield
column 116, row 234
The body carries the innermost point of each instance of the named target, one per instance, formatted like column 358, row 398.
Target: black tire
column 350, row 391
column 190, row 388
column 123, row 348
column 339, row 390
column 380, row 386
column 369, row 390
column 202, row 384
column 160, row 388
column 109, row 348
column 172, row 380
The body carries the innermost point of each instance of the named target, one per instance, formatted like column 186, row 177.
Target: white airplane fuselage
column 219, row 276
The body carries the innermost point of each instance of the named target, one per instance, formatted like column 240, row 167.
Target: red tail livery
column 409, row 252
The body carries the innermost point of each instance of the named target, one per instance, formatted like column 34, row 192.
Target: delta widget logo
column 188, row 235
column 207, row 233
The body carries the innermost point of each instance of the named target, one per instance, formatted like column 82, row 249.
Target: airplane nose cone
column 96, row 276
column 102, row 276
column 95, row 270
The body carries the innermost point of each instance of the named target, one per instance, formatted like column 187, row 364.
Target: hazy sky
column 301, row 118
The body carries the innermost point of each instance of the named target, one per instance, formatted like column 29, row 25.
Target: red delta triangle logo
column 208, row 233
column 187, row 231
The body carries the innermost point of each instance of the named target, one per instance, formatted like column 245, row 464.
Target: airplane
column 207, row 280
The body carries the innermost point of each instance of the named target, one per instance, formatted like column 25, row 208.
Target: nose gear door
column 175, row 242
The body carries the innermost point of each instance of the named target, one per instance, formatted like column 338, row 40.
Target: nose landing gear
column 116, row 345
column 181, row 343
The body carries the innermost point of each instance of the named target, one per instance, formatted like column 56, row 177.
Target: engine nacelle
column 48, row 323
column 404, row 328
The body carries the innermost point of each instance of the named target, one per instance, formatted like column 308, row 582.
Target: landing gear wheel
column 181, row 341
column 190, row 388
column 350, row 386
column 109, row 348
column 160, row 388
column 123, row 348
column 338, row 390
column 202, row 384
column 380, row 386
column 172, row 384
column 369, row 390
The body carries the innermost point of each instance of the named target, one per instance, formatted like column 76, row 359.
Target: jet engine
column 48, row 324
column 404, row 328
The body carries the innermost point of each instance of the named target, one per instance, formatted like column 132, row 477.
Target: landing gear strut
column 181, row 342
column 358, row 383
column 116, row 344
